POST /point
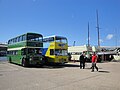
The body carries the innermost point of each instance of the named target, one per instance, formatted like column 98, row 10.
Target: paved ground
column 67, row 77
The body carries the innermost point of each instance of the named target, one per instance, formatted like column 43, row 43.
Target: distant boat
column 117, row 56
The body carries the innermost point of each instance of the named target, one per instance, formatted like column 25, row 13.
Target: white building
column 3, row 49
column 76, row 51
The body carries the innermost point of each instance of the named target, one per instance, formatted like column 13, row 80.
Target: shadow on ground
column 104, row 71
column 1, row 74
column 91, row 68
column 54, row 66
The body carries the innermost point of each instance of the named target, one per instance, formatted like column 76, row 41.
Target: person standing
column 82, row 60
column 94, row 61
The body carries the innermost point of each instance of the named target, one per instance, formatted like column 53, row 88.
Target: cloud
column 109, row 36
column 101, row 40
column 119, row 41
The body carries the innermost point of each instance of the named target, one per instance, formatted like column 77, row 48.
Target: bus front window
column 24, row 51
column 33, row 37
column 38, row 51
column 31, row 51
column 61, row 39
column 60, row 52
column 34, row 51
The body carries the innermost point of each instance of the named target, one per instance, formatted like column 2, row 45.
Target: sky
column 68, row 18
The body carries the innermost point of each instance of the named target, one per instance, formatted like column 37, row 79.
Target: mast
column 98, row 30
column 88, row 36
column 116, row 38
column 74, row 43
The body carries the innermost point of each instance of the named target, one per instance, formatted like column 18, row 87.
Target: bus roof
column 55, row 36
column 40, row 35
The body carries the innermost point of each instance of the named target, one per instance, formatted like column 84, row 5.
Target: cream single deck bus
column 76, row 51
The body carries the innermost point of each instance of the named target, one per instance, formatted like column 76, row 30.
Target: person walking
column 94, row 61
column 82, row 60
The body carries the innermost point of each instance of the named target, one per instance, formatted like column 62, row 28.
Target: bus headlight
column 30, row 59
column 41, row 59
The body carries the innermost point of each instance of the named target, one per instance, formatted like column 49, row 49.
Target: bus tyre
column 10, row 60
column 42, row 62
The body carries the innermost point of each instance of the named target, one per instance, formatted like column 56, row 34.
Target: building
column 76, row 51
column 108, row 53
column 3, row 49
column 105, row 53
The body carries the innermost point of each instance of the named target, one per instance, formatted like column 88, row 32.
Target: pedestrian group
column 83, row 59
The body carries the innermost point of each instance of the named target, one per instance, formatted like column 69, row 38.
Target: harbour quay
column 62, row 77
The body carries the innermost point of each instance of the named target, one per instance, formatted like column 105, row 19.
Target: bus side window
column 17, row 39
column 24, row 37
column 16, row 52
column 9, row 42
column 51, row 52
column 8, row 52
column 20, row 38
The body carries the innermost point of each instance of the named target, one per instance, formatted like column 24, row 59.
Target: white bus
column 76, row 51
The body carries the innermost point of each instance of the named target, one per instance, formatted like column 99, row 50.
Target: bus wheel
column 10, row 60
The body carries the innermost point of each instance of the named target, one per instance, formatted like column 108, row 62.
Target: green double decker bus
column 26, row 49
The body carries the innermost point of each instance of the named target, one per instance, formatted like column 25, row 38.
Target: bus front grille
column 35, row 58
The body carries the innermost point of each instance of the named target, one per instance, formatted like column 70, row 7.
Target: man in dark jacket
column 82, row 60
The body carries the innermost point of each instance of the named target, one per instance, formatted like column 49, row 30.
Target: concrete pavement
column 65, row 77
